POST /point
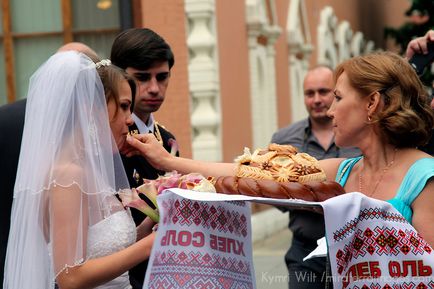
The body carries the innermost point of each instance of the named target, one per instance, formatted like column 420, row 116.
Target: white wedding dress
column 108, row 236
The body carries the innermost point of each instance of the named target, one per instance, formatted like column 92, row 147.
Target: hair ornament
column 104, row 62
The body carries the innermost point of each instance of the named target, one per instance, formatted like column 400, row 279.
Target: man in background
column 148, row 58
column 11, row 131
column 313, row 135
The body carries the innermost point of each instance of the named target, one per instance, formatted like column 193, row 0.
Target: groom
column 148, row 58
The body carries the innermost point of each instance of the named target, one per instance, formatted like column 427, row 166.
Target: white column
column 262, row 69
column 300, row 50
column 272, row 32
column 344, row 35
column 204, row 80
column 327, row 52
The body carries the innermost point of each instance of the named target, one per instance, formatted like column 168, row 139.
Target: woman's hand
column 129, row 150
column 147, row 146
column 419, row 45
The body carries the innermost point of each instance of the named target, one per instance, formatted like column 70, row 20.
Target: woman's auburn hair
column 406, row 119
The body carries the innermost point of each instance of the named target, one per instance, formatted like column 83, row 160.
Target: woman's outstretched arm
column 147, row 146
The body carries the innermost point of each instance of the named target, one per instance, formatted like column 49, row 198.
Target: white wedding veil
column 69, row 170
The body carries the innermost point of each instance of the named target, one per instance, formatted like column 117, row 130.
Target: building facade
column 239, row 64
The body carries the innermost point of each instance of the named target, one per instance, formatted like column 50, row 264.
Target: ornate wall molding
column 204, row 80
column 263, row 32
column 337, row 41
column 327, row 52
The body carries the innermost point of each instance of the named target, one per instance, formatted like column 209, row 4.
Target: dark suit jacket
column 11, row 132
column 146, row 171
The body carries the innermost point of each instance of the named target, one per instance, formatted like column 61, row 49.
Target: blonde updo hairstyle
column 406, row 119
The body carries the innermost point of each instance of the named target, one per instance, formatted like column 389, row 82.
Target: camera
column 420, row 61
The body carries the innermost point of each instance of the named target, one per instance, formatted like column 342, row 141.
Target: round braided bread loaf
column 312, row 191
column 280, row 172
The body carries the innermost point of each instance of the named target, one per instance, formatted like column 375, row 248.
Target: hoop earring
column 369, row 118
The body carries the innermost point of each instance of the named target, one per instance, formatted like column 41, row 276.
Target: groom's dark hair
column 140, row 48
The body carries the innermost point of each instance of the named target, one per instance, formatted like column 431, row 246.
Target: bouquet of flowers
column 152, row 188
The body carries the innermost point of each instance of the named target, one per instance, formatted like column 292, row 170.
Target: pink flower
column 131, row 199
column 149, row 190
column 170, row 180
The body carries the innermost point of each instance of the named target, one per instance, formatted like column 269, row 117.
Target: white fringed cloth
column 371, row 245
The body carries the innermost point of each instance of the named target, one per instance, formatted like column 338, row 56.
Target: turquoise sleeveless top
column 413, row 183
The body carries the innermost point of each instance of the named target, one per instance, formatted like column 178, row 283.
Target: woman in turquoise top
column 381, row 107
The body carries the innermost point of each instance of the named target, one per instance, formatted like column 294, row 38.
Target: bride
column 67, row 226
